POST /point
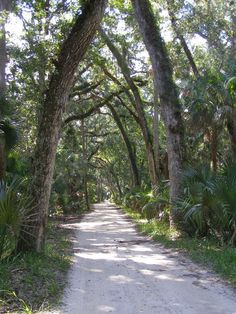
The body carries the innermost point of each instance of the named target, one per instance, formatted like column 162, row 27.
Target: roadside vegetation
column 32, row 282
column 207, row 232
column 206, row 251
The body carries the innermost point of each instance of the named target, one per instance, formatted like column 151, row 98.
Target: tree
column 213, row 89
column 138, row 105
column 164, row 84
column 71, row 53
column 131, row 154
column 4, row 6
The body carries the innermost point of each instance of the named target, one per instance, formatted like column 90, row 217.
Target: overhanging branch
column 92, row 110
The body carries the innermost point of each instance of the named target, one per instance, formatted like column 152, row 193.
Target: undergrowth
column 34, row 282
column 208, row 252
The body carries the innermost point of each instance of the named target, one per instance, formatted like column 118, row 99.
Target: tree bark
column 156, row 143
column 85, row 162
column 3, row 61
column 4, row 6
column 138, row 105
column 231, row 127
column 72, row 51
column 117, row 182
column 2, row 155
column 132, row 157
column 169, row 102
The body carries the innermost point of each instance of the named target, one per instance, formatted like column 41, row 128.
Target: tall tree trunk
column 4, row 6
column 132, row 157
column 3, row 61
column 231, row 118
column 156, row 143
column 139, row 107
column 169, row 102
column 75, row 46
column 85, row 163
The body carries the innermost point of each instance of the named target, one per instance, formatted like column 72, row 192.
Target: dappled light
column 116, row 270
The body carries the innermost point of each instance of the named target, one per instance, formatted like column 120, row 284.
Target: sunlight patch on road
column 106, row 308
column 120, row 279
column 169, row 277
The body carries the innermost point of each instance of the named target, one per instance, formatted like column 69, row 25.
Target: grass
column 208, row 252
column 34, row 282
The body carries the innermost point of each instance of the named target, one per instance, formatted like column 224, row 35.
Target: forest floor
column 117, row 270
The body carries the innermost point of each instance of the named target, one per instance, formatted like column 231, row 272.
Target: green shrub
column 150, row 210
column 209, row 202
column 136, row 200
column 14, row 207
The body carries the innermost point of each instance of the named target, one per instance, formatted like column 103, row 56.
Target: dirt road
column 118, row 271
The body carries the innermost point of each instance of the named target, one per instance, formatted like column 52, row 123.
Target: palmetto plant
column 226, row 195
column 209, row 202
column 14, row 213
column 198, row 198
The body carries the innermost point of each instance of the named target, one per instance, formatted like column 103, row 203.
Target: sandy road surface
column 118, row 271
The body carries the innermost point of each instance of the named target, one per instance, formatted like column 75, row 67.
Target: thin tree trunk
column 4, row 6
column 85, row 163
column 2, row 155
column 156, row 143
column 231, row 127
column 139, row 107
column 132, row 157
column 170, row 5
column 3, row 61
column 117, row 182
column 72, row 52
column 214, row 148
column 169, row 102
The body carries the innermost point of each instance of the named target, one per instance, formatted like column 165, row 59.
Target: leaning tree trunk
column 132, row 157
column 169, row 102
column 75, row 46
